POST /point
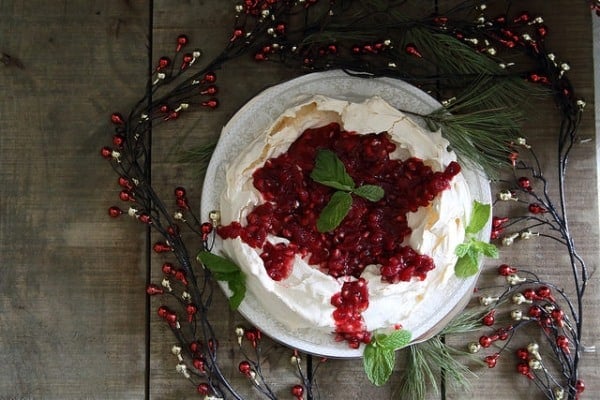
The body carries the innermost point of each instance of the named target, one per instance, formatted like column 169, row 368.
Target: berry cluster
column 529, row 302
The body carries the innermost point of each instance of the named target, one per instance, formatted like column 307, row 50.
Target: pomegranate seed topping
column 372, row 232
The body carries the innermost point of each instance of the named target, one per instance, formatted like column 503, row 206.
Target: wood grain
column 71, row 288
column 73, row 316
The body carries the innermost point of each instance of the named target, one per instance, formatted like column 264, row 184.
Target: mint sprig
column 379, row 356
column 330, row 171
column 471, row 250
column 226, row 270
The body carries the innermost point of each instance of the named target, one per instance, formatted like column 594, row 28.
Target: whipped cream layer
column 302, row 301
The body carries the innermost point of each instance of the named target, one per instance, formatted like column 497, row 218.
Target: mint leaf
column 467, row 265
column 479, row 217
column 379, row 356
column 330, row 171
column 334, row 212
column 462, row 249
column 468, row 253
column 378, row 363
column 395, row 340
column 238, row 290
column 487, row 249
column 227, row 271
column 369, row 192
column 217, row 264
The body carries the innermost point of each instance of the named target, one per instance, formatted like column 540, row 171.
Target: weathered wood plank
column 71, row 287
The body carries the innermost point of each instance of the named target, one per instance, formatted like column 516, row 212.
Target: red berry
column 182, row 40
column 117, row 119
column 145, row 218
column 115, row 211
column 160, row 247
column 523, row 368
column 173, row 230
column 203, row 388
column 497, row 222
column 163, row 63
column 522, row 354
column 544, row 292
column 195, row 347
column 536, row 208
column 563, row 343
column 489, row 318
column 124, row 182
column 212, row 103
column 199, row 364
column 162, row 311
column 524, row 183
column 485, row 341
column 179, row 192
column 245, row 368
column 491, row 360
column 209, row 77
column 153, row 290
column 118, row 140
column 206, row 227
column 210, row 90
column 126, row 195
column 298, row 391
column 530, row 294
column 579, row 386
column 237, row 33
column 412, row 50
column 535, row 311
column 181, row 276
column 168, row 268
column 506, row 270
column 495, row 234
column 106, row 152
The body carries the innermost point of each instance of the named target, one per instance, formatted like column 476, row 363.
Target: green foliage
column 199, row 156
column 330, row 171
column 426, row 361
column 483, row 120
column 226, row 270
column 470, row 251
column 379, row 356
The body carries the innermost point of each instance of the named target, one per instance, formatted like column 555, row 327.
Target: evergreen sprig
column 427, row 359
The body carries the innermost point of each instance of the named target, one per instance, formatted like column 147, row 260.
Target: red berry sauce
column 371, row 233
column 349, row 304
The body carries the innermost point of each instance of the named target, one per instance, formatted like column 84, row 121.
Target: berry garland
column 312, row 35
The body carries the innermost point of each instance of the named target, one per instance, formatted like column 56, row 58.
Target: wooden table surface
column 74, row 317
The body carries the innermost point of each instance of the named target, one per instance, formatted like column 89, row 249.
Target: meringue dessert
column 386, row 264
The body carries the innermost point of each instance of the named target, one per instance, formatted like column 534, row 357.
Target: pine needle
column 484, row 120
column 450, row 55
column 465, row 322
column 199, row 156
column 429, row 360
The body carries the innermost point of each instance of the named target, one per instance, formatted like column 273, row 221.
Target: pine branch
column 484, row 120
column 425, row 360
column 199, row 156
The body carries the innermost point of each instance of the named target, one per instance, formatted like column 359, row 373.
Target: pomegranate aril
column 371, row 234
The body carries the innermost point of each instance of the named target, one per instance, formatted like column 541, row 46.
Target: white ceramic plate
column 256, row 116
